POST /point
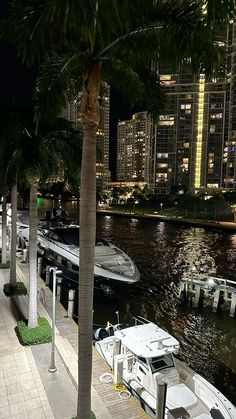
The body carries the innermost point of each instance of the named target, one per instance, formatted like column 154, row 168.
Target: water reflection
column 162, row 253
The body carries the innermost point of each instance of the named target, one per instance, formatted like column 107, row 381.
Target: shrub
column 34, row 336
column 5, row 265
column 11, row 290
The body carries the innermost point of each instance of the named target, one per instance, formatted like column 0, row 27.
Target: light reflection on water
column 163, row 252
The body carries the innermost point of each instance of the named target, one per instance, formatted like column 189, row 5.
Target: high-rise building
column 194, row 143
column 229, row 152
column 133, row 148
column 188, row 141
column 71, row 113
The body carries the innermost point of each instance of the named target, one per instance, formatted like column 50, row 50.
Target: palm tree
column 45, row 150
column 11, row 131
column 121, row 42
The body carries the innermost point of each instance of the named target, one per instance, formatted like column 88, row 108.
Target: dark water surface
column 162, row 253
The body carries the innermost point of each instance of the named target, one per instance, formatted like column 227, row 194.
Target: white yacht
column 144, row 353
column 59, row 247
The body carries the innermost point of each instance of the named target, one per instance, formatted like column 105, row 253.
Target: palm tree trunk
column 86, row 269
column 33, row 317
column 90, row 115
column 4, row 229
column 13, row 234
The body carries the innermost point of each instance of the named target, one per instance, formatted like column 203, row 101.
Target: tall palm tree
column 45, row 150
column 11, row 131
column 46, row 147
column 121, row 42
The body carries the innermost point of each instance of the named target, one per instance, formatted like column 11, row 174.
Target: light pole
column 161, row 204
column 193, row 271
column 53, row 367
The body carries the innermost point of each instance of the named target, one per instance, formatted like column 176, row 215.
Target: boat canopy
column 147, row 340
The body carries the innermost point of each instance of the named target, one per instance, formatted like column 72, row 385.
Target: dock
column 106, row 401
column 196, row 288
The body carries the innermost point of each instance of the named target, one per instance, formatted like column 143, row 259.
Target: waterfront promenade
column 219, row 225
column 27, row 389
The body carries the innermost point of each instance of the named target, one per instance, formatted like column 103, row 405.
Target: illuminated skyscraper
column 71, row 113
column 188, row 140
column 133, row 148
column 229, row 151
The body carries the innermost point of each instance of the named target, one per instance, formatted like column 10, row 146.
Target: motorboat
column 59, row 247
column 144, row 354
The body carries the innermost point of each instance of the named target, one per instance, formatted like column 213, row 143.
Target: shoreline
column 221, row 225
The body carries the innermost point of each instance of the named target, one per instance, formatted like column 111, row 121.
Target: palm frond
column 138, row 84
column 57, row 82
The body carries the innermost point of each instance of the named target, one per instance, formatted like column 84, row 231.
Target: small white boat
column 142, row 354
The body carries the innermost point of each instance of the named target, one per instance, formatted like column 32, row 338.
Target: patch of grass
column 34, row 336
column 5, row 265
column 12, row 290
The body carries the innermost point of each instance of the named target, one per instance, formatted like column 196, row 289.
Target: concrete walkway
column 22, row 394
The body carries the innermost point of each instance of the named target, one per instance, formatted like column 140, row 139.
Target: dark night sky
column 16, row 82
column 16, row 87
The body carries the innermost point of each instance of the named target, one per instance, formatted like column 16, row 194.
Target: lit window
column 186, row 106
column 212, row 129
column 217, row 115
column 162, row 165
column 212, row 185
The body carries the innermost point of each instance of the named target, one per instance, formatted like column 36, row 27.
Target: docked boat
column 144, row 354
column 59, row 247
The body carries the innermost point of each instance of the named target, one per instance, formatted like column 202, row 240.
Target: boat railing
column 140, row 320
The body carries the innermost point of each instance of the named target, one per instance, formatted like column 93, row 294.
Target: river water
column 163, row 252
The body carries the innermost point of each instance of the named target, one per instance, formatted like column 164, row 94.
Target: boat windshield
column 161, row 362
column 68, row 236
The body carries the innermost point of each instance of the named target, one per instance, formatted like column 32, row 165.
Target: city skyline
column 16, row 87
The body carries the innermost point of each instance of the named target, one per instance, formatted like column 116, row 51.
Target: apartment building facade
column 71, row 113
column 188, row 141
column 133, row 148
column 194, row 143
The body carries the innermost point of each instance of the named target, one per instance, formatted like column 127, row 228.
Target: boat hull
column 102, row 285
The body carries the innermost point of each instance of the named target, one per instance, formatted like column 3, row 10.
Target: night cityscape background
column 117, row 275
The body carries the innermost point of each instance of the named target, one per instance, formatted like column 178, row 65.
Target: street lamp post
column 193, row 271
column 53, row 367
column 161, row 204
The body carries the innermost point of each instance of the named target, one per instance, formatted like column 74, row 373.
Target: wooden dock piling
column 195, row 288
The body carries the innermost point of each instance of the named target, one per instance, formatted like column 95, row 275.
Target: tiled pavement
column 22, row 393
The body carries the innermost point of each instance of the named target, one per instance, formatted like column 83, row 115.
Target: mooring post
column 47, row 281
column 197, row 296
column 233, row 305
column 58, row 289
column 161, row 390
column 40, row 263
column 19, row 242
column 71, row 302
column 181, row 288
column 216, row 300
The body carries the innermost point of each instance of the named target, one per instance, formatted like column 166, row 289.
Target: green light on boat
column 38, row 201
